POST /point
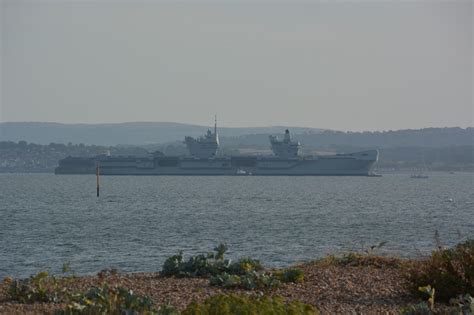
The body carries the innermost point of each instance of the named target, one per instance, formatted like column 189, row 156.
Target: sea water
column 137, row 222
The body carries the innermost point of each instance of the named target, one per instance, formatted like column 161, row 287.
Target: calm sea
column 48, row 220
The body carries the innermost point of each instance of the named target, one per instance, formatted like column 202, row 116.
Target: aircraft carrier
column 203, row 160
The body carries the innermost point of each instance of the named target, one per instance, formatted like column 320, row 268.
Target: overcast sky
column 347, row 65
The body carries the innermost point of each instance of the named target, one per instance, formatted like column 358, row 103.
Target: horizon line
column 225, row 127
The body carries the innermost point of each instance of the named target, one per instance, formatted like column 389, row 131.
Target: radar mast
column 216, row 136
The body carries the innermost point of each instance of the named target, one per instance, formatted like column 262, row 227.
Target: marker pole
column 97, row 177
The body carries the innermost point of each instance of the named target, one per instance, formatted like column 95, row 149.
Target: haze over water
column 137, row 222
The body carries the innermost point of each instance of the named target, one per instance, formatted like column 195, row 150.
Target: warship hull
column 353, row 164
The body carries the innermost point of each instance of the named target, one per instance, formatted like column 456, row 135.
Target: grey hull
column 354, row 164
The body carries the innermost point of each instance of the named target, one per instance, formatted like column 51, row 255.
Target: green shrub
column 238, row 304
column 245, row 265
column 225, row 280
column 109, row 300
column 41, row 287
column 211, row 264
column 464, row 304
column 417, row 309
column 246, row 273
column 355, row 259
column 449, row 271
column 290, row 275
column 423, row 308
column 249, row 281
column 107, row 272
column 172, row 265
column 254, row 280
column 197, row 266
column 202, row 265
column 257, row 280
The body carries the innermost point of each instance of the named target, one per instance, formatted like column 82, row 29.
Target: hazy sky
column 347, row 65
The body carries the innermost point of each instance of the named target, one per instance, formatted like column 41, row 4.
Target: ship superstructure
column 203, row 160
column 285, row 148
column 204, row 147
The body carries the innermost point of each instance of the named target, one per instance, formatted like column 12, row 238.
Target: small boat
column 374, row 175
column 419, row 176
column 419, row 173
column 241, row 172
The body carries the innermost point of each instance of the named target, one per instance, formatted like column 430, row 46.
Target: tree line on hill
column 145, row 133
column 427, row 137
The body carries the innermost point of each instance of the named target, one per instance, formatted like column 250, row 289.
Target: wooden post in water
column 97, row 177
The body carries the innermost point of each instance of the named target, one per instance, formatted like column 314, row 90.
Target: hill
column 146, row 133
column 133, row 133
column 427, row 137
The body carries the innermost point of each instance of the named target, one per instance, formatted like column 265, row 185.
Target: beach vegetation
column 450, row 272
column 109, row 300
column 245, row 265
column 463, row 303
column 41, row 287
column 294, row 275
column 202, row 265
column 360, row 259
column 240, row 304
column 107, row 272
column 246, row 273
column 210, row 264
column 257, row 280
column 37, row 288
column 249, row 281
column 425, row 307
column 416, row 309
column 366, row 257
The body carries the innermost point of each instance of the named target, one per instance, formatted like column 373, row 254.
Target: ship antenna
column 215, row 125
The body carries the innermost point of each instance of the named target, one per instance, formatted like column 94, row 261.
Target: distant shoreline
column 400, row 172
